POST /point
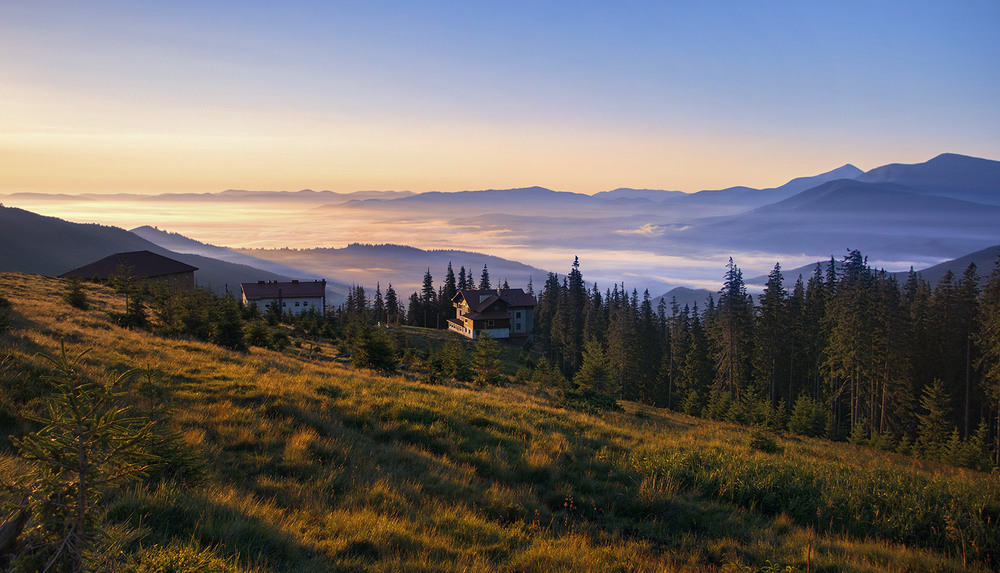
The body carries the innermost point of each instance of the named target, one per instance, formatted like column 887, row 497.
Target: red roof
column 270, row 290
column 142, row 264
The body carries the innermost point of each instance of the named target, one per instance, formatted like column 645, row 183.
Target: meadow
column 294, row 461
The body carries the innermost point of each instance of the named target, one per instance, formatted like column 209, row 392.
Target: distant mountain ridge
column 936, row 210
column 33, row 243
column 180, row 244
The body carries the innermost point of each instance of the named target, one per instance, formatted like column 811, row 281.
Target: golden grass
column 314, row 466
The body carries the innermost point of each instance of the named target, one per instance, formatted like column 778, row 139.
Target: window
column 489, row 323
column 284, row 304
column 517, row 314
column 296, row 303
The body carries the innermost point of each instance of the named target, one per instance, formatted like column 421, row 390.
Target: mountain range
column 898, row 215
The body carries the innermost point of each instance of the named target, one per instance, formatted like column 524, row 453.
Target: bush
column 693, row 405
column 375, row 350
column 807, row 417
column 764, row 442
column 176, row 558
column 6, row 320
column 74, row 295
column 257, row 332
column 87, row 447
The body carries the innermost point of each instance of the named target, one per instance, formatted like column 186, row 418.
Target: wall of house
column 521, row 321
column 290, row 305
column 176, row 281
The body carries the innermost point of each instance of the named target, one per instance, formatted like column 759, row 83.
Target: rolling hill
column 293, row 461
column 32, row 243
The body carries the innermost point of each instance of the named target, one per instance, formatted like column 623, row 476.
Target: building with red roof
column 292, row 297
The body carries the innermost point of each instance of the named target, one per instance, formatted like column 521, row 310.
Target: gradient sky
column 165, row 96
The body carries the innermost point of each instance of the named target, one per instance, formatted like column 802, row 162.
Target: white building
column 292, row 297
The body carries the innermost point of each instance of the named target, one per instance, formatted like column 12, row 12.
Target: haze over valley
column 898, row 215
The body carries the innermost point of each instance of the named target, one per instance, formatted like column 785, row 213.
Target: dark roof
column 491, row 315
column 510, row 296
column 517, row 297
column 144, row 264
column 268, row 290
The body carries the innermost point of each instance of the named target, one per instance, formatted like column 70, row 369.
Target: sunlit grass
column 314, row 466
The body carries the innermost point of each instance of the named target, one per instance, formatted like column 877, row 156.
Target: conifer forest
column 849, row 353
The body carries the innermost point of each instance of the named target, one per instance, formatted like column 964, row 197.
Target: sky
column 179, row 96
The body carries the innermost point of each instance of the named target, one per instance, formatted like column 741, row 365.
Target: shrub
column 693, row 405
column 87, row 447
column 74, row 295
column 807, row 417
column 6, row 320
column 375, row 350
column 763, row 442
column 177, row 558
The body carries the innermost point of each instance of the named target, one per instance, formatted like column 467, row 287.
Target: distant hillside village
column 502, row 313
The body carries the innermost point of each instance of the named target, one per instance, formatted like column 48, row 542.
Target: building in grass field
column 501, row 313
column 143, row 265
column 292, row 297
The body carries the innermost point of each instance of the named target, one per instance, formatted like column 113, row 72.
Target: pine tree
column 848, row 361
column 462, row 284
column 378, row 307
column 391, row 305
column 595, row 374
column 935, row 426
column 968, row 308
column 450, row 285
column 730, row 330
column 987, row 339
column 487, row 360
column 771, row 329
column 74, row 295
column 484, row 279
column 87, row 447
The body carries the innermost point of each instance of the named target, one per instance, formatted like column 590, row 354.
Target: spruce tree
column 88, row 446
column 595, row 374
column 987, row 338
column 935, row 425
column 484, row 279
column 487, row 366
column 771, row 329
column 391, row 305
column 378, row 307
column 730, row 329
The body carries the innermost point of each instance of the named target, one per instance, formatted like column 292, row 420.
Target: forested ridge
column 849, row 353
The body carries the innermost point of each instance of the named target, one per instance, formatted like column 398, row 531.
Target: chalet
column 294, row 297
column 144, row 265
column 501, row 313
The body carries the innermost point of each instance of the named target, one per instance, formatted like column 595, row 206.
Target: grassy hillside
column 310, row 465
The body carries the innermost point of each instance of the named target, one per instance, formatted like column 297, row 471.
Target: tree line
column 849, row 353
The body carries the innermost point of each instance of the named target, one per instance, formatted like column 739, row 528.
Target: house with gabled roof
column 501, row 313
column 143, row 265
column 292, row 297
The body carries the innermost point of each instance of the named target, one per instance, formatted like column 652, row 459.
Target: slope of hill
column 873, row 217
column 985, row 260
column 180, row 244
column 685, row 297
column 947, row 175
column 34, row 243
column 400, row 265
column 312, row 466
